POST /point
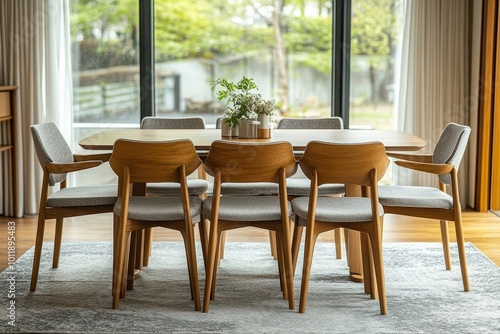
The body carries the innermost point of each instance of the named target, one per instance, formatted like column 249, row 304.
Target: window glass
column 105, row 64
column 375, row 26
column 105, row 58
column 286, row 50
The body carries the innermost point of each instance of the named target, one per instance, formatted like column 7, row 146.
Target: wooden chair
column 243, row 163
column 57, row 159
column 141, row 162
column 248, row 189
column 433, row 202
column 196, row 186
column 353, row 164
column 300, row 186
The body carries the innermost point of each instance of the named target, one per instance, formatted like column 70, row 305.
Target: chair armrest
column 411, row 157
column 71, row 167
column 98, row 155
column 438, row 169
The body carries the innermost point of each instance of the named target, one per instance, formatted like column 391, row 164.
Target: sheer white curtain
column 34, row 39
column 434, row 76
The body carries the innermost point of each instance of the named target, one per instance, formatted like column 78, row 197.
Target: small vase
column 248, row 128
column 264, row 130
column 229, row 131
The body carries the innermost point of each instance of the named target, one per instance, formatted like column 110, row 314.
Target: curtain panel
column 34, row 39
column 434, row 74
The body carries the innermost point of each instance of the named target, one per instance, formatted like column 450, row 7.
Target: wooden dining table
column 203, row 138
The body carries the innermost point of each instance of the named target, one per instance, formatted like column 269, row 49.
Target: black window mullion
column 146, row 57
column 341, row 56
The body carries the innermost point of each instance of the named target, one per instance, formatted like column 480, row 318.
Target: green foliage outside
column 106, row 32
column 201, row 28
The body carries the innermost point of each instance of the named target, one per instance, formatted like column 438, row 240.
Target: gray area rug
column 422, row 296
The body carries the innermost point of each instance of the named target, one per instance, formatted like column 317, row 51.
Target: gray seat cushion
column 336, row 209
column 150, row 208
column 415, row 197
column 301, row 187
column 253, row 188
column 246, row 208
column 84, row 196
column 196, row 187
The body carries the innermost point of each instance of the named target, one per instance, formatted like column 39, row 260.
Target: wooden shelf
column 7, row 114
column 6, row 147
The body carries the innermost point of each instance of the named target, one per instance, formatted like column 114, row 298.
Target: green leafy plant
column 242, row 102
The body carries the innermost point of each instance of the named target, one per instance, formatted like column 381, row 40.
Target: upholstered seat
column 195, row 187
column 159, row 208
column 247, row 208
column 415, row 197
column 83, row 196
column 302, row 186
column 254, row 188
column 336, row 209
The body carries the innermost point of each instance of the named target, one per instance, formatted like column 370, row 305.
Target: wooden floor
column 482, row 229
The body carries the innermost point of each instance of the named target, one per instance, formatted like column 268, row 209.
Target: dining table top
column 203, row 138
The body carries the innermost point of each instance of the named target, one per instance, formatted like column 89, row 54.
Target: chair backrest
column 151, row 122
column 344, row 163
column 153, row 161
column 51, row 146
column 250, row 162
column 450, row 147
column 311, row 123
column 218, row 122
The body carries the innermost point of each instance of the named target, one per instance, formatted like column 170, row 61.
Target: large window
column 286, row 50
column 285, row 46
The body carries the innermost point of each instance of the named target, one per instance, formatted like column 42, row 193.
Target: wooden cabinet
column 7, row 140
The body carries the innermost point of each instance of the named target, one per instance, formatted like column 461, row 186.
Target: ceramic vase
column 264, row 129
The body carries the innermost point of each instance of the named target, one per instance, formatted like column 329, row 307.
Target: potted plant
column 266, row 110
column 240, row 102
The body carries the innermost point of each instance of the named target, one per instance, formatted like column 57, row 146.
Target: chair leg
column 306, row 270
column 220, row 242
column 132, row 256
column 369, row 280
column 192, row 265
column 288, row 266
column 446, row 243
column 121, row 244
column 297, row 237
column 272, row 243
column 188, row 259
column 337, row 234
column 378, row 262
column 202, row 226
column 38, row 251
column 461, row 252
column 209, row 270
column 123, row 288
column 281, row 265
column 57, row 242
column 223, row 243
column 148, row 240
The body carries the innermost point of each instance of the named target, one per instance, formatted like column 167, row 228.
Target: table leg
column 353, row 243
